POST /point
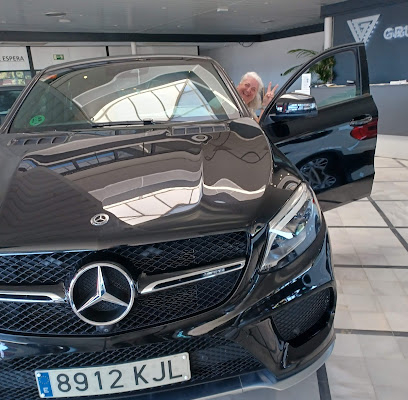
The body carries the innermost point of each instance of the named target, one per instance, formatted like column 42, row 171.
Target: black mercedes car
column 157, row 242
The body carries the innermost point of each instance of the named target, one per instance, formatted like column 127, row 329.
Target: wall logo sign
column 396, row 32
column 362, row 28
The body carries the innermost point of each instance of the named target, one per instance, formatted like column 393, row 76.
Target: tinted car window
column 7, row 98
column 333, row 80
column 125, row 92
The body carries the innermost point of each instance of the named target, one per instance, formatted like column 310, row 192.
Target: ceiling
column 185, row 17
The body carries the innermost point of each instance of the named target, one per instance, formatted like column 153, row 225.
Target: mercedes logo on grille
column 101, row 293
column 100, row 219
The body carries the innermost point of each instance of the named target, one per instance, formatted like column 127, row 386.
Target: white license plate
column 75, row 382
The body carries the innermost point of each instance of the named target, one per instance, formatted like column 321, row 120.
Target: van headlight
column 293, row 230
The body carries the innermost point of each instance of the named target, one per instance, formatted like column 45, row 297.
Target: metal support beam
column 328, row 32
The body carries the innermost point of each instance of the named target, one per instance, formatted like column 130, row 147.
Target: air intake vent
column 197, row 129
column 34, row 141
column 293, row 320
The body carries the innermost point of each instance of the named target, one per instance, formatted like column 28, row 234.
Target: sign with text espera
column 14, row 59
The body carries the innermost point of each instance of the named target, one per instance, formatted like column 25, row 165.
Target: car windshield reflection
column 125, row 93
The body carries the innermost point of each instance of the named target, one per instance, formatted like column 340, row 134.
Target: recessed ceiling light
column 55, row 14
column 222, row 9
column 64, row 20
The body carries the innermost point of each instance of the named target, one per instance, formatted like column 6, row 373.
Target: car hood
column 155, row 185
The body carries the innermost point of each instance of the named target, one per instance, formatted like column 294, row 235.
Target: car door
column 325, row 121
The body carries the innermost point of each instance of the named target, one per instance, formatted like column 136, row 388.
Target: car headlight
column 293, row 230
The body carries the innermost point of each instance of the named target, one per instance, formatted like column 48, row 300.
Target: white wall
column 120, row 50
column 269, row 59
column 147, row 50
column 44, row 56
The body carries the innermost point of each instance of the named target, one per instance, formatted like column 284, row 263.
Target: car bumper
column 252, row 327
column 262, row 379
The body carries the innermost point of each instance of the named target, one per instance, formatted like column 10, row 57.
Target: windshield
column 125, row 92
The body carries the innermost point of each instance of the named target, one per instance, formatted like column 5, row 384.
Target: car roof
column 108, row 60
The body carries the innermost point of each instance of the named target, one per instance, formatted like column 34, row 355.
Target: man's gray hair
column 256, row 102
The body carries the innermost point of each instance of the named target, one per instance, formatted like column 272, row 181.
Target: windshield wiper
column 121, row 123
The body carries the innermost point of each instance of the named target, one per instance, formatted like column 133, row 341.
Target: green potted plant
column 323, row 70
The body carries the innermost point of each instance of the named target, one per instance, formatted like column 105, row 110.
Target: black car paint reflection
column 179, row 175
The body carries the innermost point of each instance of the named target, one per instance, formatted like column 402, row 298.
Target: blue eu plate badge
column 44, row 384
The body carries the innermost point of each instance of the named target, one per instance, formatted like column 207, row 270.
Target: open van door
column 325, row 121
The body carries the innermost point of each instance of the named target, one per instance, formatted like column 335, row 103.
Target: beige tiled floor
column 404, row 233
column 390, row 191
column 386, row 163
column 396, row 211
column 370, row 358
column 360, row 213
column 368, row 367
column 399, row 174
column 367, row 246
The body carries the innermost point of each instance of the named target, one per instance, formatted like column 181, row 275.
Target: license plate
column 75, row 382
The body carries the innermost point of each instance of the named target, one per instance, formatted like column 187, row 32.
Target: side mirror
column 294, row 105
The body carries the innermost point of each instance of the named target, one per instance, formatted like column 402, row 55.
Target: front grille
column 152, row 259
column 148, row 310
column 211, row 358
column 293, row 320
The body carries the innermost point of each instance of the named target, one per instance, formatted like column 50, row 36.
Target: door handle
column 362, row 120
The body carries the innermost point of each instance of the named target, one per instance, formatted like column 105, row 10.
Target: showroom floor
column 370, row 251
